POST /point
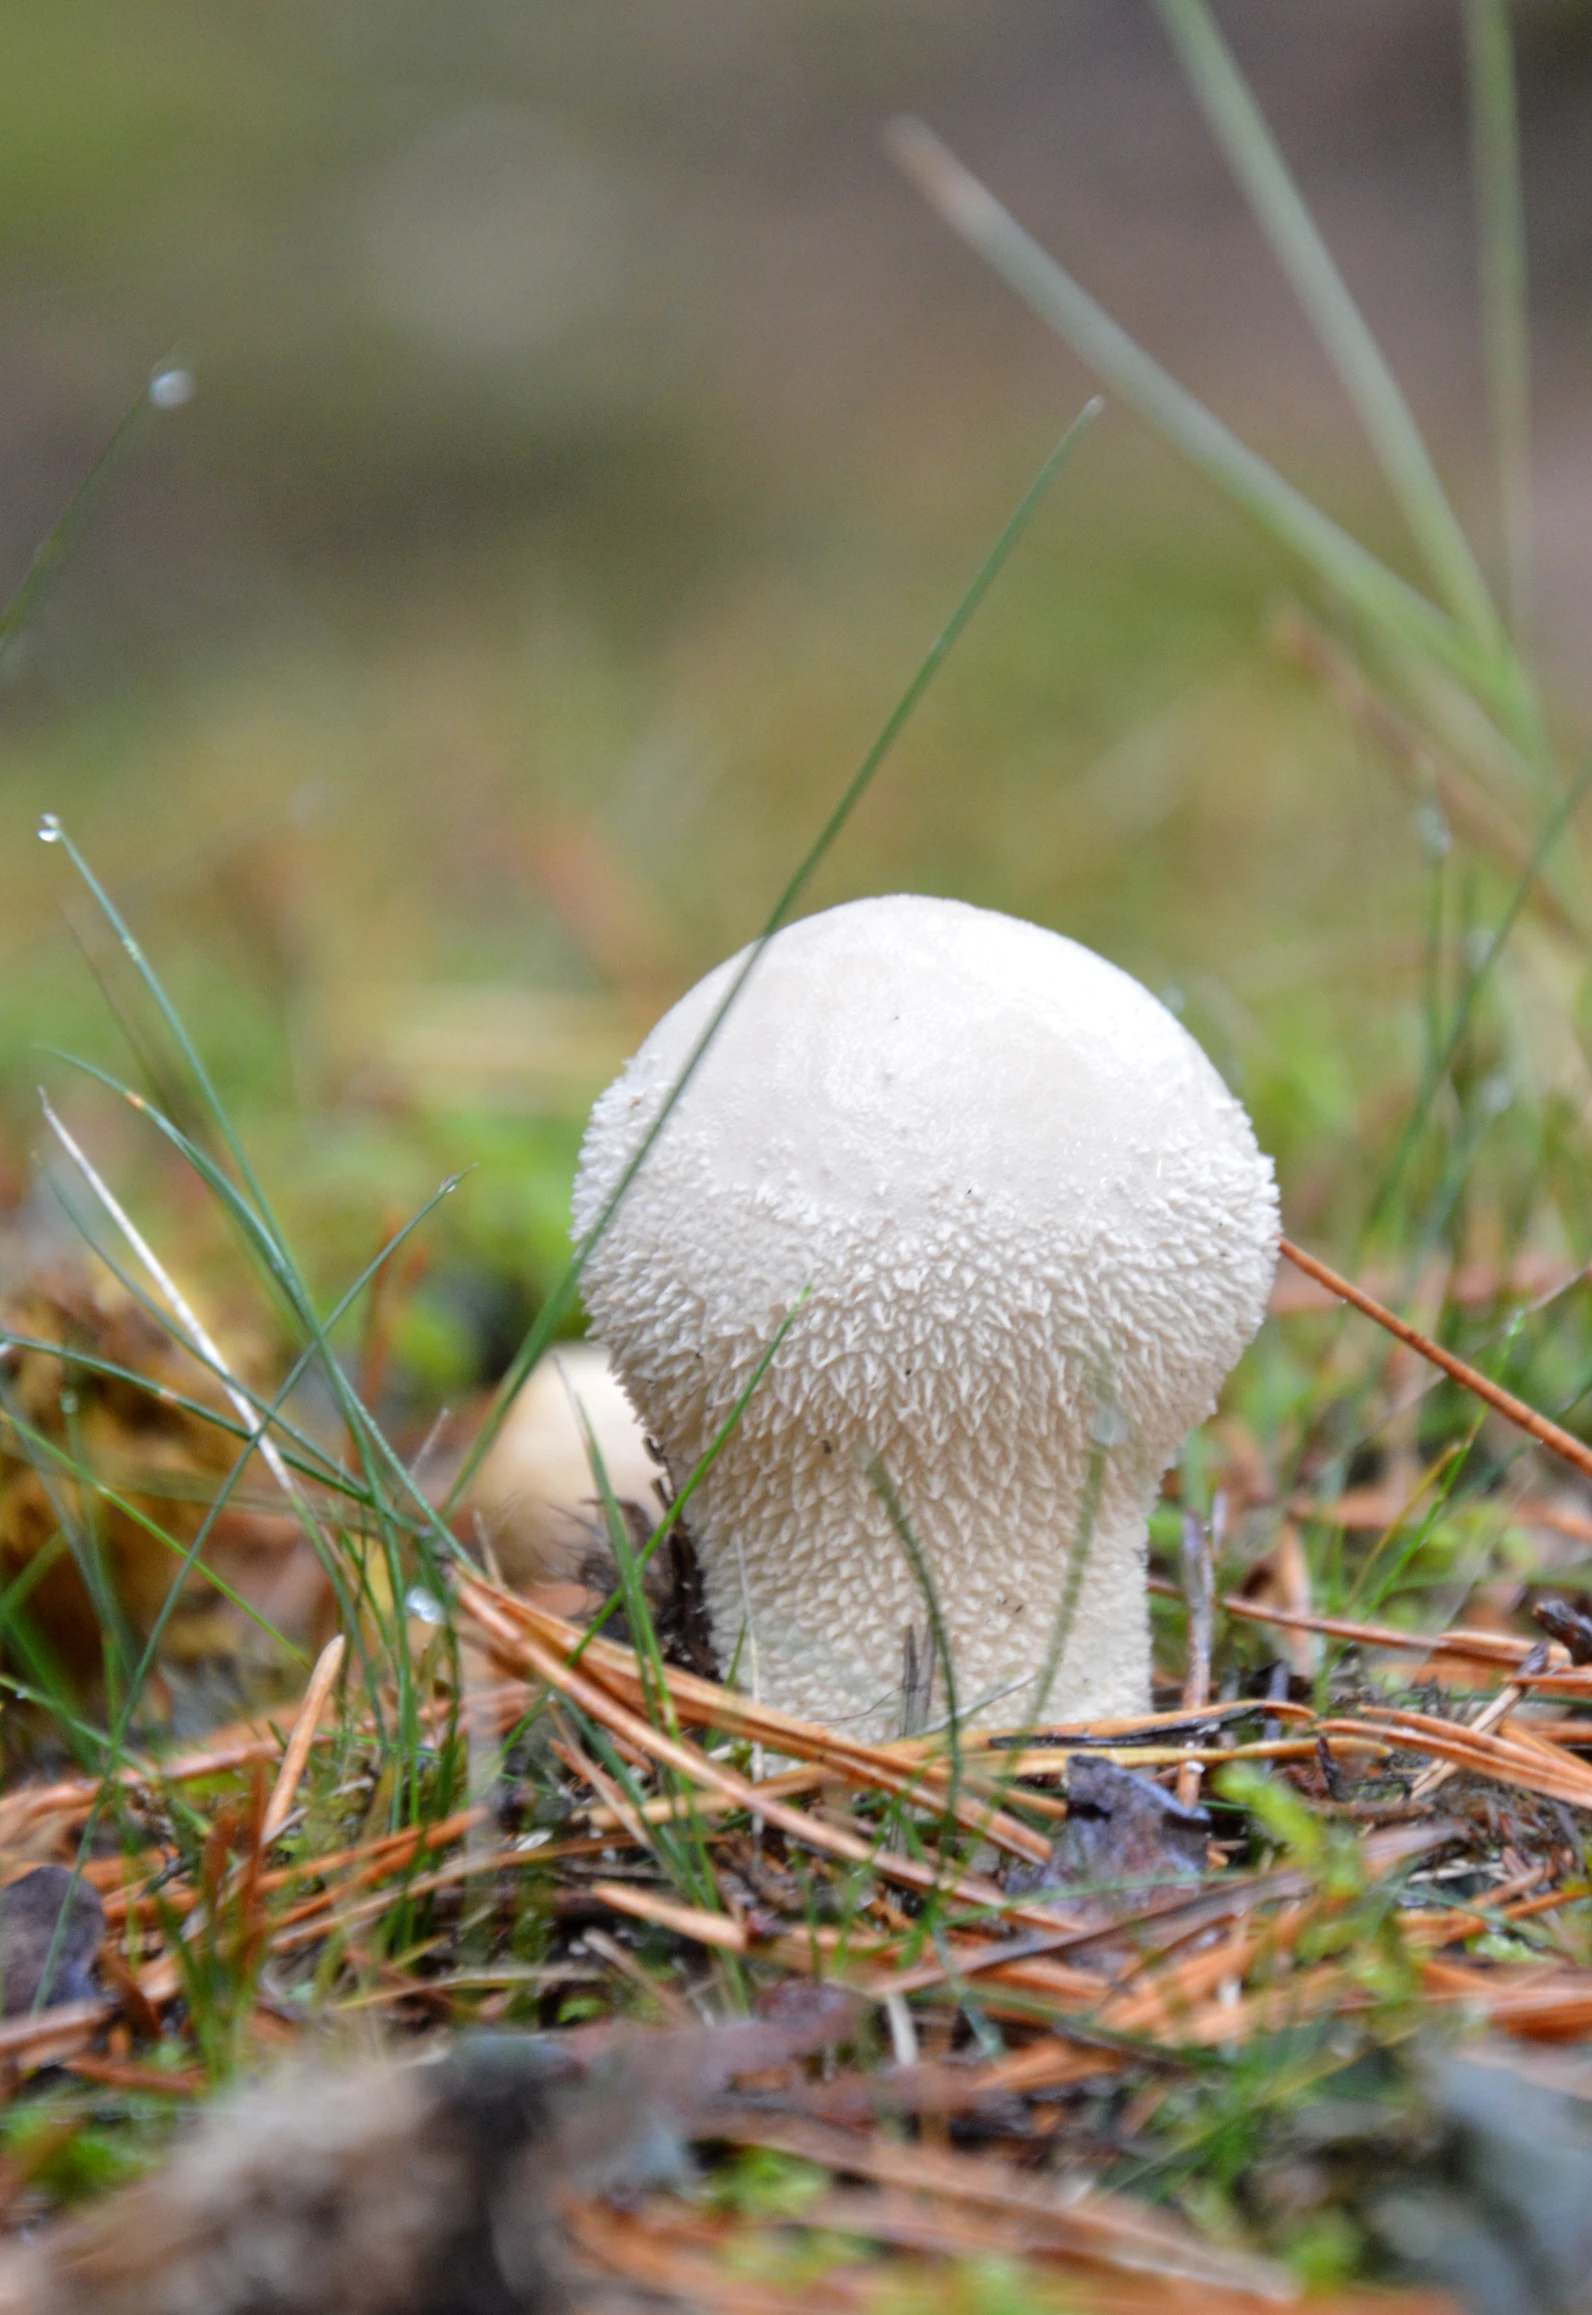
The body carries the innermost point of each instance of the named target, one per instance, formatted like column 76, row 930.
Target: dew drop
column 49, row 829
column 1109, row 1427
column 424, row 1606
column 169, row 389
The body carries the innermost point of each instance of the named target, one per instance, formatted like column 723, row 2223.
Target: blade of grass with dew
column 263, row 1442
column 50, row 556
column 284, row 1274
column 716, row 1446
column 430, row 1536
column 163, row 1085
column 1383, row 601
column 269, row 1412
column 562, row 1296
column 184, row 1311
column 253, row 1213
column 52, row 831
column 1495, row 160
column 1251, row 151
column 259, row 1407
column 259, row 1239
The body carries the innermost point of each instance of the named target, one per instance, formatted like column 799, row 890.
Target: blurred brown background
column 591, row 430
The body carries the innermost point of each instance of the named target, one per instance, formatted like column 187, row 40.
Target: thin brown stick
column 685, row 1920
column 580, row 1763
column 1547, row 1434
column 285, row 1791
column 1494, row 1648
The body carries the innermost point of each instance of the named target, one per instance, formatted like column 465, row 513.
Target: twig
column 913, row 1772
column 1539, row 1427
column 295, row 1759
column 684, row 1920
column 1478, row 1647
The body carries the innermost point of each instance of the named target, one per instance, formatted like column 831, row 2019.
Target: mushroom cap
column 1030, row 1218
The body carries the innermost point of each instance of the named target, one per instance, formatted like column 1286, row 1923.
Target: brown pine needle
column 685, row 1920
column 1546, row 1433
column 285, row 1791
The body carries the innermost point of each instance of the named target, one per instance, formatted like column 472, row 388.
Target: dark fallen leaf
column 1571, row 1626
column 31, row 1925
column 1121, row 1829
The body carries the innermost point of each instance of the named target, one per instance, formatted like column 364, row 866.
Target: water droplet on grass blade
column 1108, row 1426
column 49, row 829
column 424, row 1606
column 1431, row 825
column 169, row 389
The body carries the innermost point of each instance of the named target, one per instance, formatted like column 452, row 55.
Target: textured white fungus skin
column 1036, row 1233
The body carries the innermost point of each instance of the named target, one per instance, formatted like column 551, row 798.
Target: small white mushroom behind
column 1036, row 1233
column 537, row 1492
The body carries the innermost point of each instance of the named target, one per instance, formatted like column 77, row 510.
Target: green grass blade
column 1553, row 828
column 878, row 1475
column 1252, row 154
column 1495, row 160
column 83, row 1542
column 50, row 557
column 252, row 1212
column 283, row 1274
column 562, row 1297
column 83, row 1476
column 52, row 832
column 1387, row 604
column 322, row 1471
column 161, row 1317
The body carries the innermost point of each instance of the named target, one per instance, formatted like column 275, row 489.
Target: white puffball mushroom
column 1035, row 1232
column 537, row 1492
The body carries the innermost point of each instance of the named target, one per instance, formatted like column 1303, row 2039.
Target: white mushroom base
column 1033, row 1232
column 813, row 1637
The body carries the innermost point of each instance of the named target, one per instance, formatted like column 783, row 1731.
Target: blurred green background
column 591, row 429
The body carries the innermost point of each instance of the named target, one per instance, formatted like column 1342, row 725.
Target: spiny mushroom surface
column 1036, row 1232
